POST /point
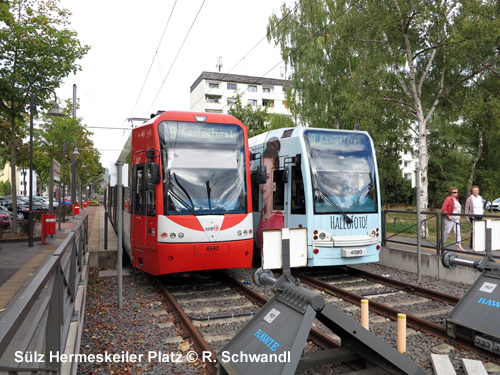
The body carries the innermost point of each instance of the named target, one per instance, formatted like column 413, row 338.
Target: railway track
column 204, row 314
column 375, row 287
column 228, row 304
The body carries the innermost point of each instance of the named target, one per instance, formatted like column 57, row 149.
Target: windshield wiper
column 209, row 191
column 348, row 220
column 179, row 199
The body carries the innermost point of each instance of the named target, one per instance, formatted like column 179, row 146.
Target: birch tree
column 366, row 58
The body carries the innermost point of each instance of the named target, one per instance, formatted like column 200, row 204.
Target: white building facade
column 215, row 92
column 407, row 165
column 23, row 182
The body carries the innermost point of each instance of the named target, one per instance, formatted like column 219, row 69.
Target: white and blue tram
column 324, row 180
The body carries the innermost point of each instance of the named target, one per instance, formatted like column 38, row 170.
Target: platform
column 19, row 263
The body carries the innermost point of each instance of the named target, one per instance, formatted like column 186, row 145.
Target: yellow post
column 365, row 315
column 402, row 333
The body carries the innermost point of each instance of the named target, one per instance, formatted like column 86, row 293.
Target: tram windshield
column 342, row 172
column 204, row 168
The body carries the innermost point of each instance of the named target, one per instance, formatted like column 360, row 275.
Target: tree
column 350, row 59
column 254, row 119
column 37, row 51
column 50, row 138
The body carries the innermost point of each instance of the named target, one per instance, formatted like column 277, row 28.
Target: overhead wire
column 250, row 51
column 178, row 52
column 154, row 57
column 296, row 49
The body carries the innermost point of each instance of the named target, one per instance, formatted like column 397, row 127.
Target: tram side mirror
column 298, row 160
column 285, row 175
column 155, row 174
column 261, row 174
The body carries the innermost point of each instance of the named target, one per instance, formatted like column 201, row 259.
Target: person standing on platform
column 451, row 205
column 474, row 206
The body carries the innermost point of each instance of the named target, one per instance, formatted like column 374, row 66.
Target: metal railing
column 46, row 320
column 400, row 227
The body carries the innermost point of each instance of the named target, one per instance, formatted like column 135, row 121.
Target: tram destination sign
column 331, row 139
column 201, row 133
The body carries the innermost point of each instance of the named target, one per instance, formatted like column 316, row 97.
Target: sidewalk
column 19, row 263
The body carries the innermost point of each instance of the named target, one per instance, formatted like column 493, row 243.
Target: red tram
column 187, row 205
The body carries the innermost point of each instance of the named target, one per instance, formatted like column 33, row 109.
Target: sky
column 145, row 56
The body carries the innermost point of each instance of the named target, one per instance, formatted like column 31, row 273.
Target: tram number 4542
column 347, row 253
column 220, row 248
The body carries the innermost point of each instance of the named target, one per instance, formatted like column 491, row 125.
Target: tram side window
column 278, row 191
column 298, row 196
column 255, row 191
column 150, row 193
column 137, row 190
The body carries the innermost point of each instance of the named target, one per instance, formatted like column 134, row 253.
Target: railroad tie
column 442, row 365
column 473, row 367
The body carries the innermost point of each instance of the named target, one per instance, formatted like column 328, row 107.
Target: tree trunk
column 13, row 172
column 474, row 163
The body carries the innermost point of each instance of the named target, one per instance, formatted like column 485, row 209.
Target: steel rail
column 392, row 313
column 199, row 343
column 416, row 289
column 316, row 336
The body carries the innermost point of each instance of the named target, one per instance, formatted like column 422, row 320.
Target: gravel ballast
column 143, row 339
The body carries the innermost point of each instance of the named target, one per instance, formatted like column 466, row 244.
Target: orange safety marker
column 402, row 333
column 365, row 315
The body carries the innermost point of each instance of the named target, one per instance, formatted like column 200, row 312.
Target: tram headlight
column 322, row 236
column 172, row 235
column 181, row 235
column 239, row 233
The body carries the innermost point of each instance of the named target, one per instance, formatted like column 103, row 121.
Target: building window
column 252, row 102
column 252, row 88
column 408, row 176
column 285, row 104
column 213, row 85
column 231, row 86
column 268, row 103
column 212, row 99
column 266, row 90
column 231, row 101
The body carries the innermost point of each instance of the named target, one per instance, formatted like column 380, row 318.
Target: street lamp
column 80, row 187
column 53, row 112
column 73, row 176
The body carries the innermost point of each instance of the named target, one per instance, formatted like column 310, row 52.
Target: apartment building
column 215, row 92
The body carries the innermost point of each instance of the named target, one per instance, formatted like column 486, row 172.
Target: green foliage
column 387, row 66
column 402, row 193
column 5, row 187
column 37, row 51
column 254, row 119
column 50, row 138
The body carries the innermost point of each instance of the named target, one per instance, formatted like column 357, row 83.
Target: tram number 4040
column 347, row 253
column 220, row 248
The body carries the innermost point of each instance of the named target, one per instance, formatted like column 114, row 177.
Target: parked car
column 5, row 221
column 5, row 210
column 495, row 205
column 37, row 206
column 22, row 209
column 45, row 200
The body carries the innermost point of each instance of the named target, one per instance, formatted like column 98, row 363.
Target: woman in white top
column 474, row 206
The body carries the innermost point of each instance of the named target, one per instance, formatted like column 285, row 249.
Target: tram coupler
column 273, row 341
column 451, row 260
column 477, row 314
